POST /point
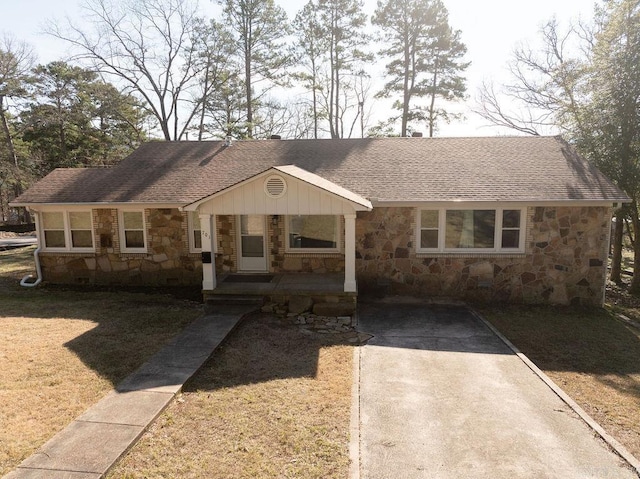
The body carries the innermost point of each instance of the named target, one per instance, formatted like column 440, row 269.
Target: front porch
column 325, row 291
column 272, row 223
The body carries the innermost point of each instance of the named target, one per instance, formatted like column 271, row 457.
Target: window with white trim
column 133, row 235
column 471, row 230
column 195, row 232
column 312, row 233
column 67, row 231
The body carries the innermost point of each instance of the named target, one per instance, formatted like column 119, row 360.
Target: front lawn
column 272, row 401
column 61, row 351
column 591, row 355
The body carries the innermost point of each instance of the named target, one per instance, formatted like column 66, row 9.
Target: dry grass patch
column 589, row 354
column 61, row 351
column 271, row 402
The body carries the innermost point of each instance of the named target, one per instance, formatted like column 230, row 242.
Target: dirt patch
column 271, row 402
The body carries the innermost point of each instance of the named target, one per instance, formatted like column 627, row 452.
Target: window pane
column 195, row 220
column 511, row 219
column 52, row 221
column 511, row 238
column 80, row 220
column 314, row 231
column 429, row 239
column 484, row 228
column 197, row 239
column 470, row 228
column 252, row 246
column 134, row 239
column 81, row 239
column 251, row 224
column 54, row 239
column 133, row 220
column 429, row 219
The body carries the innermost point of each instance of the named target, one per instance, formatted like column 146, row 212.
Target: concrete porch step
column 213, row 301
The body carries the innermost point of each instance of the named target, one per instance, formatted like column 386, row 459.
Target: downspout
column 26, row 281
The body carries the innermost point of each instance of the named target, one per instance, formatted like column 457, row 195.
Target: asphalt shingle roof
column 383, row 169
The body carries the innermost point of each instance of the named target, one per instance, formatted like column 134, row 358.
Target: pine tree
column 426, row 59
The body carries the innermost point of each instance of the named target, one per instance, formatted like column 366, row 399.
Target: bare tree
column 545, row 86
column 148, row 46
column 16, row 61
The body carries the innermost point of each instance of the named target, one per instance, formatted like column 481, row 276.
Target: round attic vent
column 275, row 186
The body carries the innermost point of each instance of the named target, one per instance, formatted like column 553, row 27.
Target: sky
column 491, row 29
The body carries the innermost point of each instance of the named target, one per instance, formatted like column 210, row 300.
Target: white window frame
column 497, row 239
column 123, row 243
column 191, row 231
column 68, row 244
column 289, row 249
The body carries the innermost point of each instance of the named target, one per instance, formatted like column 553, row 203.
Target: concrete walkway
column 92, row 443
column 441, row 396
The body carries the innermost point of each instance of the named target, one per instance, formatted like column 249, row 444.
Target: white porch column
column 207, row 225
column 350, row 253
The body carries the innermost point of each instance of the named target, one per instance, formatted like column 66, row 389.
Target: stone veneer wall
column 283, row 262
column 279, row 261
column 166, row 262
column 564, row 260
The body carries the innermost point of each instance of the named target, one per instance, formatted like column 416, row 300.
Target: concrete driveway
column 441, row 396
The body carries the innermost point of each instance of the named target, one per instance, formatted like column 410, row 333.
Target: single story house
column 513, row 219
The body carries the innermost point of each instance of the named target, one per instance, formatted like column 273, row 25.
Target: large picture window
column 68, row 231
column 312, row 233
column 132, row 232
column 479, row 230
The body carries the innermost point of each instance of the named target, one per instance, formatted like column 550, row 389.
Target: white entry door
column 252, row 248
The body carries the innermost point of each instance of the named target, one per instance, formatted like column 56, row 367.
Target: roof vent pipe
column 275, row 137
column 228, row 140
column 416, row 134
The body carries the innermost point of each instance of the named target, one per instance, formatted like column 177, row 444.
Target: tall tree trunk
column 7, row 133
column 616, row 242
column 432, row 105
column 405, row 88
column 249, row 101
column 314, row 93
column 635, row 221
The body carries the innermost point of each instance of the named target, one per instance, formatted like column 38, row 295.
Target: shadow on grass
column 129, row 328
column 589, row 341
column 263, row 348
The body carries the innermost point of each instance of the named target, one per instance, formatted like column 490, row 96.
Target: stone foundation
column 166, row 262
column 564, row 260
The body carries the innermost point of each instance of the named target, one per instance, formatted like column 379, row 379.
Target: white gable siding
column 301, row 198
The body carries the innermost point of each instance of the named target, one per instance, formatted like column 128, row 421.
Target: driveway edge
column 354, row 419
column 610, row 440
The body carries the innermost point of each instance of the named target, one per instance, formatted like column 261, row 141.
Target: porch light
column 274, row 220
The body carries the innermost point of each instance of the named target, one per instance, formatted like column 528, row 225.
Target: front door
column 252, row 249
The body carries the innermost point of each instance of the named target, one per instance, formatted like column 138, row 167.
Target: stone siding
column 278, row 261
column 166, row 262
column 283, row 262
column 564, row 260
